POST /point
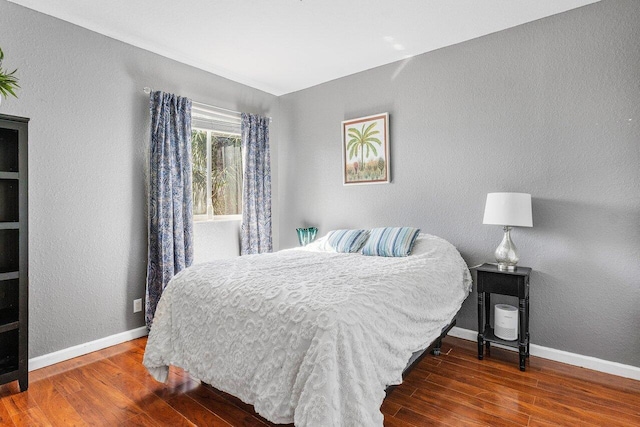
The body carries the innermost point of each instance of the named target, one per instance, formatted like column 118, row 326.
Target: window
column 216, row 164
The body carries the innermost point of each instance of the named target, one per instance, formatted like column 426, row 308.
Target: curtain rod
column 148, row 90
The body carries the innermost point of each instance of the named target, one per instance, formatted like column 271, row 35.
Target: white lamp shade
column 510, row 209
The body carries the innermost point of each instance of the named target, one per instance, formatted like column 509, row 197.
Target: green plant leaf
column 371, row 133
column 353, row 152
column 8, row 82
column 368, row 129
column 356, row 132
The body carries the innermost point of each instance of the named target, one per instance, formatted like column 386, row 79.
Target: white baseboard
column 574, row 359
column 81, row 349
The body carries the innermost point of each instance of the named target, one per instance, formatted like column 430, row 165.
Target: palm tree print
column 361, row 140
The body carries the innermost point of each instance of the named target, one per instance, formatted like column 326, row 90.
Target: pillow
column 318, row 245
column 391, row 241
column 347, row 241
column 423, row 244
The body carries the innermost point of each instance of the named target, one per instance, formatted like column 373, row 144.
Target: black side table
column 490, row 280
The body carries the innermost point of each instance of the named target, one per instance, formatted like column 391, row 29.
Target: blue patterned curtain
column 256, row 191
column 170, row 198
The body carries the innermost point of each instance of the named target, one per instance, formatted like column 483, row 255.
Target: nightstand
column 489, row 281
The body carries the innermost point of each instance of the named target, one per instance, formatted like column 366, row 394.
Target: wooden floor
column 111, row 388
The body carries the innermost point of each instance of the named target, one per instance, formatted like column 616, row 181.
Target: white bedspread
column 307, row 336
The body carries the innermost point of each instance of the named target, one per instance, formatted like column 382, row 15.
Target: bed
column 308, row 335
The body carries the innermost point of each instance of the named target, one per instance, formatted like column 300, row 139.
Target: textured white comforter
column 304, row 335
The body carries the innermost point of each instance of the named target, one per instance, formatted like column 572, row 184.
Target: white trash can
column 506, row 322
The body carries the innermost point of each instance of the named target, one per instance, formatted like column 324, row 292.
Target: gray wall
column 87, row 161
column 549, row 108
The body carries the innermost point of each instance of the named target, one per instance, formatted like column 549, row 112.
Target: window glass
column 216, row 174
column 226, row 174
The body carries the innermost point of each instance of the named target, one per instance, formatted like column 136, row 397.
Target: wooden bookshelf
column 14, row 264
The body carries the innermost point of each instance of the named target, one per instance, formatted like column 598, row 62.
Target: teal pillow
column 347, row 241
column 391, row 241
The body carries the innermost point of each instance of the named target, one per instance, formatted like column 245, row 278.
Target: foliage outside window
column 217, row 174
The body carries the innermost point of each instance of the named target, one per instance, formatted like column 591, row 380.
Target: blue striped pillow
column 347, row 241
column 391, row 241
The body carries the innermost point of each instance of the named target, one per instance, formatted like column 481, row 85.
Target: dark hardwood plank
column 505, row 397
column 244, row 406
column 140, row 420
column 426, row 419
column 594, row 377
column 594, row 393
column 53, row 404
column 599, row 415
column 223, row 408
column 413, row 409
column 496, row 388
column 435, row 393
column 90, row 413
column 5, row 416
column 150, row 403
column 19, row 402
column 176, row 382
column 31, row 417
column 488, row 382
column 120, row 405
column 389, row 408
column 108, row 402
column 472, row 409
column 65, row 384
column 539, row 423
column 195, row 412
column 390, row 421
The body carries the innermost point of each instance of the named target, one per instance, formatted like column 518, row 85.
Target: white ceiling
column 281, row 46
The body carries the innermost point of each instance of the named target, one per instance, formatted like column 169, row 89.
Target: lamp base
column 506, row 267
column 507, row 254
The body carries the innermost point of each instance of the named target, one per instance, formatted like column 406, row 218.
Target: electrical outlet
column 137, row 305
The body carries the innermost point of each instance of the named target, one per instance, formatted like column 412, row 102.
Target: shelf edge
column 10, row 275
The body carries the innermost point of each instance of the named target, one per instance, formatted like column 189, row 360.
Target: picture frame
column 365, row 150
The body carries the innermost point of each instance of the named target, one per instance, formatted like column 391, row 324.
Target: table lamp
column 508, row 210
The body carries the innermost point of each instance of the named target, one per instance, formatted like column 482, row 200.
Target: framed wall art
column 365, row 150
